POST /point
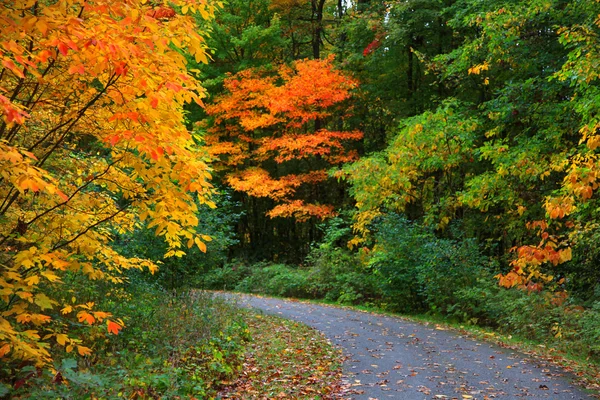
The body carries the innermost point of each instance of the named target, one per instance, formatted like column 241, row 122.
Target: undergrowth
column 174, row 344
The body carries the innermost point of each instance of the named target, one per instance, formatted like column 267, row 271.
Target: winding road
column 391, row 358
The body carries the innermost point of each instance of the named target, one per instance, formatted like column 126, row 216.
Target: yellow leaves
column 477, row 69
column 565, row 255
column 25, row 296
column 200, row 244
column 32, row 280
column 50, row 276
column 62, row 339
column 55, row 209
column 42, row 26
column 174, row 253
column 36, row 319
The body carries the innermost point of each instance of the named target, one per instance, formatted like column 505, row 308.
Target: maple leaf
column 84, row 316
column 113, row 327
column 84, row 351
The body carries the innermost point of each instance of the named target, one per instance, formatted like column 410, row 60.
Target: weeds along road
column 391, row 358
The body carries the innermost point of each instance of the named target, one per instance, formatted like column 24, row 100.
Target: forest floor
column 388, row 357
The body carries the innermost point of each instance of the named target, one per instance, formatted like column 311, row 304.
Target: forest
column 423, row 157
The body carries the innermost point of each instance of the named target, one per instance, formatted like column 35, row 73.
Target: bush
column 276, row 280
column 174, row 344
column 336, row 274
column 420, row 272
column 226, row 277
column 531, row 315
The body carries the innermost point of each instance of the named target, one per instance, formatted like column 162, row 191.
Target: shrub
column 175, row 344
column 227, row 277
column 418, row 271
column 275, row 280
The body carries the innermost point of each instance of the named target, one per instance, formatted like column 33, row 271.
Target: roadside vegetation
column 420, row 275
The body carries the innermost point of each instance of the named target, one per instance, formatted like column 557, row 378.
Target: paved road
column 390, row 358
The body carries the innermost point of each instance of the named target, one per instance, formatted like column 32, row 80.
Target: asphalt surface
column 391, row 358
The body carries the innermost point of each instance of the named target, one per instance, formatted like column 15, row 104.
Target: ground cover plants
column 176, row 344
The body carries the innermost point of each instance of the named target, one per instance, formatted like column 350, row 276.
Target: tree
column 92, row 137
column 304, row 25
column 265, row 133
column 388, row 45
column 568, row 229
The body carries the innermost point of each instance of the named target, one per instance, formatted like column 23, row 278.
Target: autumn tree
column 92, row 137
column 269, row 145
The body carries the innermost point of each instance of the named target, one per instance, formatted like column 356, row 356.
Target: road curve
column 391, row 358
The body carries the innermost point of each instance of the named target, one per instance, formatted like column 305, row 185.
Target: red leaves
column 371, row 47
column 62, row 48
column 161, row 12
column 11, row 112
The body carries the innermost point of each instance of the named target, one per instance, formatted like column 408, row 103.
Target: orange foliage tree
column 269, row 134
column 92, row 136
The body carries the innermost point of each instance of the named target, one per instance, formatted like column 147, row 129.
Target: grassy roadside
column 286, row 359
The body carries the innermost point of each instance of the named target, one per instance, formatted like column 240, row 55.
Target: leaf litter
column 287, row 359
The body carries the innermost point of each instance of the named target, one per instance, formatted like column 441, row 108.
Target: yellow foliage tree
column 92, row 136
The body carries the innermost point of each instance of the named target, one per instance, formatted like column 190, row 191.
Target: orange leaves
column 510, row 280
column 308, row 90
column 298, row 146
column 302, row 211
column 9, row 64
column 277, row 115
column 113, row 327
column 4, row 350
column 558, row 208
column 528, row 265
column 84, row 351
column 84, row 316
column 258, row 183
